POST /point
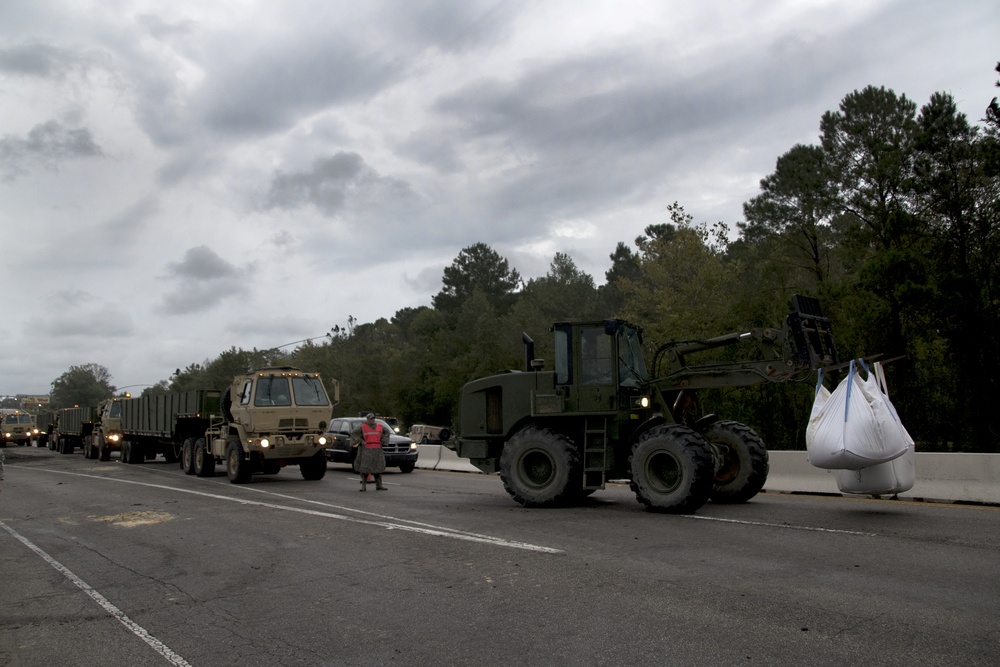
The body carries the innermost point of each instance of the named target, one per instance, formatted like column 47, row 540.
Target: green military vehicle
column 556, row 436
column 71, row 429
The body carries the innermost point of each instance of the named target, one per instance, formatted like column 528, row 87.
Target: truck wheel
column 313, row 468
column 672, row 469
column 237, row 465
column 407, row 467
column 187, row 456
column 103, row 452
column 204, row 462
column 742, row 459
column 540, row 468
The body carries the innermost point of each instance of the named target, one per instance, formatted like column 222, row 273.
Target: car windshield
column 309, row 391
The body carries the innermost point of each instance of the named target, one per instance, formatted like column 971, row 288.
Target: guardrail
column 973, row 478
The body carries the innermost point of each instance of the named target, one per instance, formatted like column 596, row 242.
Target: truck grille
column 297, row 424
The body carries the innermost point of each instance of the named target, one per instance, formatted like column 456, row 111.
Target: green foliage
column 85, row 385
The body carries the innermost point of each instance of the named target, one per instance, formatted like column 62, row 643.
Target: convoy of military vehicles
column 554, row 436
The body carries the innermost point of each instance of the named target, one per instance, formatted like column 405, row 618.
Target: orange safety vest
column 373, row 436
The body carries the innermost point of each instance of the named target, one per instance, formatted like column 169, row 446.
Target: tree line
column 892, row 220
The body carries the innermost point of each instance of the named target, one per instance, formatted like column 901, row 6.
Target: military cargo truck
column 143, row 427
column 72, row 429
column 556, row 436
column 271, row 418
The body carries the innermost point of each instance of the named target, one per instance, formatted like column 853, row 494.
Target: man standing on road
column 369, row 437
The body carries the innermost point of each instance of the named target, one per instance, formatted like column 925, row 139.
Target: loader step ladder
column 595, row 447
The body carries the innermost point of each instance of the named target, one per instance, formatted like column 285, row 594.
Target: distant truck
column 18, row 429
column 429, row 435
column 71, row 429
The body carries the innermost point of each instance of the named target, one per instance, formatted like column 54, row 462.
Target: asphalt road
column 115, row 564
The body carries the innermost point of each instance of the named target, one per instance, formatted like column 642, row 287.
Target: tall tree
column 564, row 293
column 795, row 206
column 85, row 386
column 478, row 267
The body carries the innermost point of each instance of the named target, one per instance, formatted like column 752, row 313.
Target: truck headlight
column 265, row 443
column 322, row 440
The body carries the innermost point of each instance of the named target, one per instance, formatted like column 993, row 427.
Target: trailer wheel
column 540, row 468
column 204, row 462
column 313, row 468
column 742, row 459
column 187, row 456
column 672, row 469
column 237, row 465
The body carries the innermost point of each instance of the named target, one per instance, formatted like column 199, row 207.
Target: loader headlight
column 640, row 402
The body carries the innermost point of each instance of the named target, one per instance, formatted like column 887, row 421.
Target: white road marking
column 787, row 526
column 387, row 522
column 114, row 611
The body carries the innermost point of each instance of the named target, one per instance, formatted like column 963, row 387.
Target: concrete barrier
column 973, row 478
column 439, row 457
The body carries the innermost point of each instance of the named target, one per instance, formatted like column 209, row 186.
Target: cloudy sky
column 180, row 177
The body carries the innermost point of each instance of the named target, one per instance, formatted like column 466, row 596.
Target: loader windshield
column 631, row 363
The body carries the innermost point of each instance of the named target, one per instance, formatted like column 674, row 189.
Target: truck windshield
column 631, row 363
column 116, row 409
column 272, row 391
column 309, row 391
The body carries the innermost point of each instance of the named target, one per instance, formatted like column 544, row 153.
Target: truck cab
column 271, row 418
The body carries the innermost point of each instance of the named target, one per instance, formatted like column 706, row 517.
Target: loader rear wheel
column 204, row 462
column 743, row 459
column 187, row 456
column 237, row 464
column 540, row 468
column 672, row 469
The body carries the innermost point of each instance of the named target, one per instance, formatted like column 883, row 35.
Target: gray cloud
column 38, row 60
column 204, row 280
column 47, row 144
column 337, row 184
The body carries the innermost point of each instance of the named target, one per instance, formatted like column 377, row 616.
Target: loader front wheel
column 742, row 459
column 540, row 468
column 672, row 469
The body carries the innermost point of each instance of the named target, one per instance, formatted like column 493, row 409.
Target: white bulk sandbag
column 896, row 476
column 853, row 427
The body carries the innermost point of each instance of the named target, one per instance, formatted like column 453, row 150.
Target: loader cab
column 599, row 364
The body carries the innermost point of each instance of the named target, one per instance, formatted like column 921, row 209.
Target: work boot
column 378, row 483
column 364, row 483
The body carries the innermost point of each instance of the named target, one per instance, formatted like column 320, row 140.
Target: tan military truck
column 106, row 436
column 18, row 429
column 428, row 435
column 271, row 418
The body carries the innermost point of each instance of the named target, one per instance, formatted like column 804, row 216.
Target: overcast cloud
column 179, row 178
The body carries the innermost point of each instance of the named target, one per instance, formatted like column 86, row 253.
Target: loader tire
column 742, row 459
column 541, row 468
column 672, row 469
